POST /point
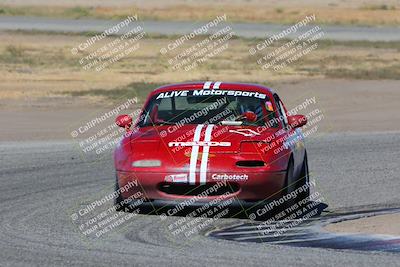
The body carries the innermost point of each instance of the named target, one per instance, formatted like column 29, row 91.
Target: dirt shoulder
column 388, row 224
column 42, row 65
column 347, row 105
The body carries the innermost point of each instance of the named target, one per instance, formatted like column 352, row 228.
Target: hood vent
column 250, row 163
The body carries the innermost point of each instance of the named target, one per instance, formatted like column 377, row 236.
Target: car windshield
column 189, row 107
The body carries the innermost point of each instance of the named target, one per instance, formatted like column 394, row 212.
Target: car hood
column 178, row 141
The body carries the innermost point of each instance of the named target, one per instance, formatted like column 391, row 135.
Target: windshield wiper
column 164, row 122
column 234, row 123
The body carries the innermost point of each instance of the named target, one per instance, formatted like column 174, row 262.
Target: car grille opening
column 194, row 190
column 250, row 163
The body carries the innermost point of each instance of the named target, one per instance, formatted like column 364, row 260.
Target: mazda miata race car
column 205, row 140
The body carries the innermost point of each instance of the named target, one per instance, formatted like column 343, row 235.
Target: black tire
column 118, row 201
column 290, row 184
column 303, row 180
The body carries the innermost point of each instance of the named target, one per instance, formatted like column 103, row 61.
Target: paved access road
column 249, row 30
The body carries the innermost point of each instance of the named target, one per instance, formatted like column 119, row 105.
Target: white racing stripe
column 207, row 85
column 216, row 85
column 194, row 155
column 204, row 157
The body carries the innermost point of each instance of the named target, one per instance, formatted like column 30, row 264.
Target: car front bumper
column 154, row 188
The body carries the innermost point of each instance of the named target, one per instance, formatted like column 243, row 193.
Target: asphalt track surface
column 312, row 234
column 248, row 30
column 43, row 183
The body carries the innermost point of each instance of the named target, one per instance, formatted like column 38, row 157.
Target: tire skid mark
column 311, row 234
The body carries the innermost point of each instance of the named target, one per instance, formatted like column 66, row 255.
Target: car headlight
column 146, row 163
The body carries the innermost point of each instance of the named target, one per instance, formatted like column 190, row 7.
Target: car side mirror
column 296, row 121
column 124, row 121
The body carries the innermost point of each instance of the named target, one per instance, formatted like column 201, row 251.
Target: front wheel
column 304, row 181
column 290, row 185
column 118, row 201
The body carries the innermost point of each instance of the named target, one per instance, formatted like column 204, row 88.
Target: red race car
column 195, row 142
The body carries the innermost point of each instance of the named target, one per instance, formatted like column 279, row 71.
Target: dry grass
column 365, row 14
column 42, row 65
